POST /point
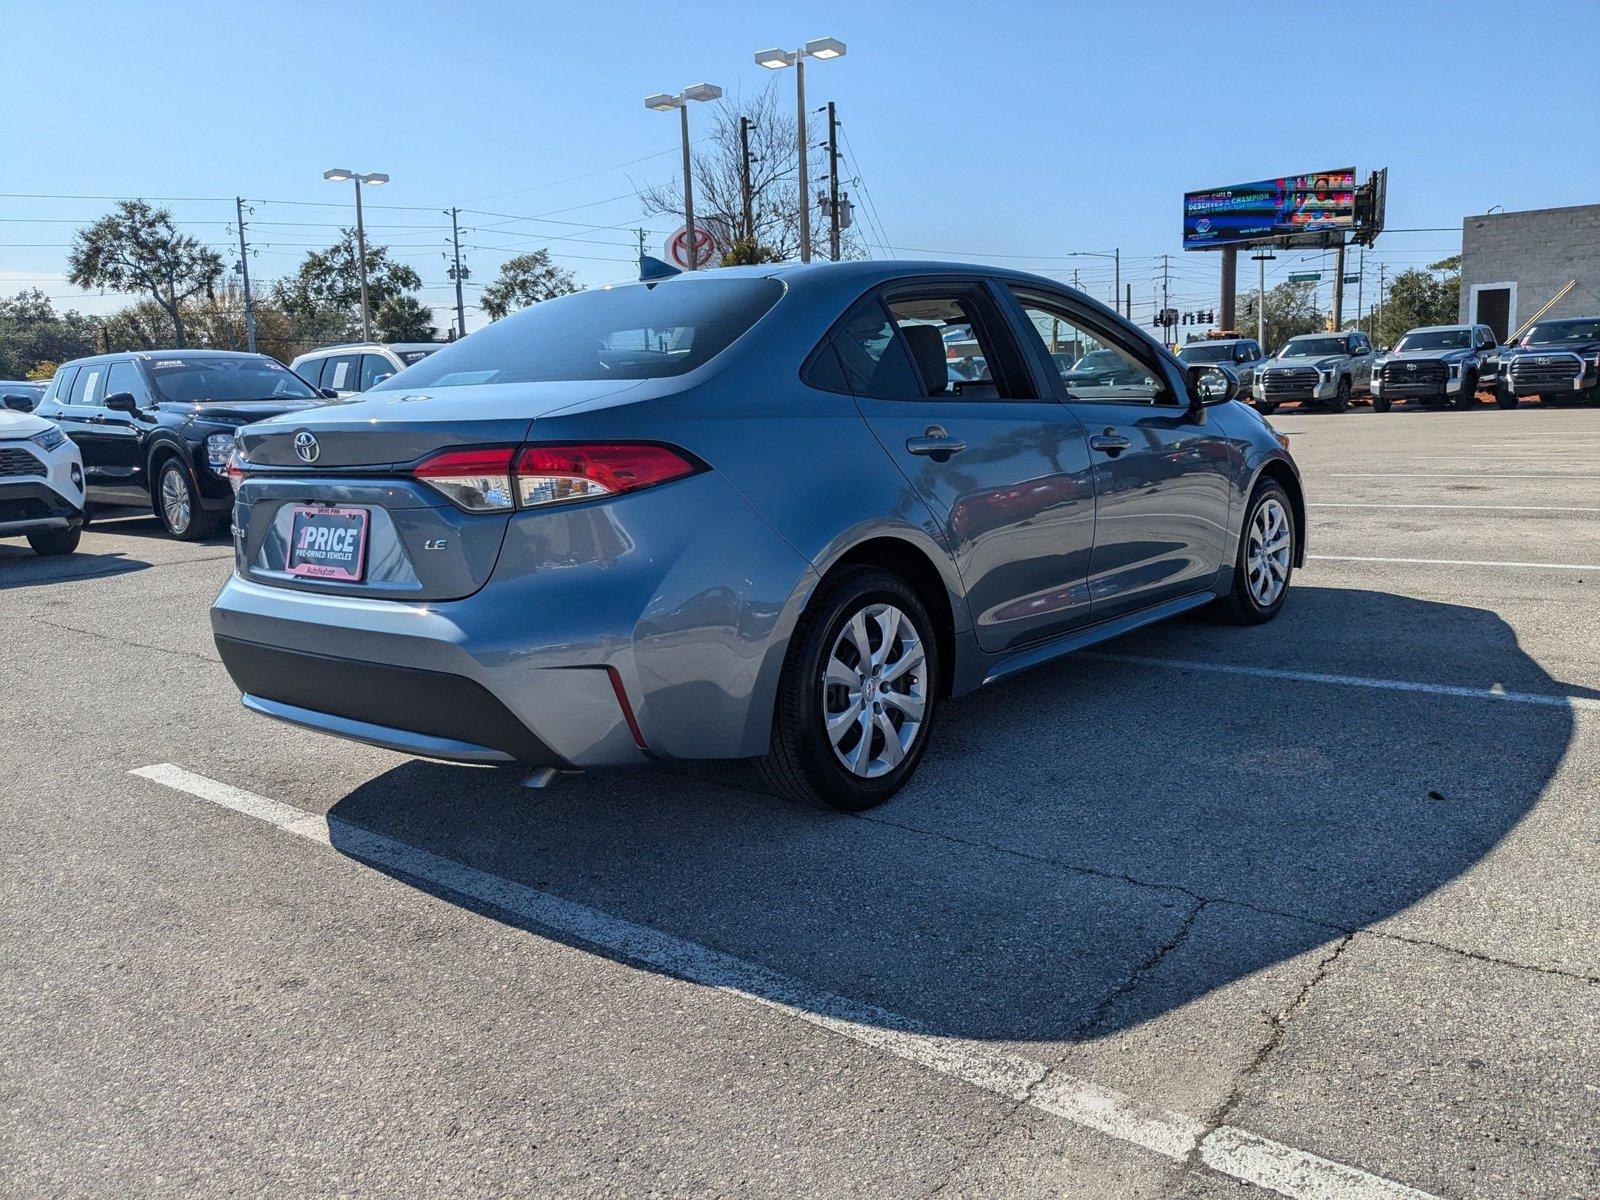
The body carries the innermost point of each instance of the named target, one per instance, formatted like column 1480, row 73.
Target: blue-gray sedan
column 772, row 512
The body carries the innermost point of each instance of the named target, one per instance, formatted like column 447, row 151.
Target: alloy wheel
column 175, row 500
column 874, row 690
column 1267, row 553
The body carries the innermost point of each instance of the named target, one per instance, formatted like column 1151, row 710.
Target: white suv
column 41, row 482
column 346, row 370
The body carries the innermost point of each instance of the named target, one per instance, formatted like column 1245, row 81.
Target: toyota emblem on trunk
column 305, row 447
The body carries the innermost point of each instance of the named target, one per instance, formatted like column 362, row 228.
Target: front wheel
column 1266, row 410
column 1467, row 397
column 1505, row 397
column 1382, row 404
column 1265, row 560
column 1341, row 397
column 54, row 541
column 178, row 504
column 857, row 694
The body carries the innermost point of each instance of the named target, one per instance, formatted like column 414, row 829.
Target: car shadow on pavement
column 1067, row 826
column 20, row 567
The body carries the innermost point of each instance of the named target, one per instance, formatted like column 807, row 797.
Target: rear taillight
column 555, row 474
column 502, row 478
column 476, row 480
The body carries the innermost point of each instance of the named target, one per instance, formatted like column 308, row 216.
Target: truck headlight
column 218, row 447
column 1325, row 374
column 1455, row 370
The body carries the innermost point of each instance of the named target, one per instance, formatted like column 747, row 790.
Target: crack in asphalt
column 120, row 641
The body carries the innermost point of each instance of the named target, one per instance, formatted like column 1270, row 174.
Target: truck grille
column 1414, row 378
column 15, row 461
column 1295, row 382
column 1534, row 371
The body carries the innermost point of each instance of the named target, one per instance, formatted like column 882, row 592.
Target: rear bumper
column 35, row 507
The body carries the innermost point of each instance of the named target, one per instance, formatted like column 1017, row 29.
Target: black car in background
column 1558, row 361
column 156, row 427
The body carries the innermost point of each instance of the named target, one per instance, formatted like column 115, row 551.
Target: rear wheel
column 1341, row 397
column 857, row 695
column 1265, row 561
column 178, row 504
column 54, row 541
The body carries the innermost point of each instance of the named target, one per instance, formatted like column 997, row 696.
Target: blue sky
column 978, row 130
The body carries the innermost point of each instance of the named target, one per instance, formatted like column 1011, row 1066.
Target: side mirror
column 328, row 393
column 19, row 403
column 1207, row 385
column 122, row 402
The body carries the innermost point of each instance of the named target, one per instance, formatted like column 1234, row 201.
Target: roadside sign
column 677, row 247
column 1356, row 278
column 1306, row 277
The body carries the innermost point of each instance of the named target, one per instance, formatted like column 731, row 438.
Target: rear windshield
column 187, row 379
column 630, row 332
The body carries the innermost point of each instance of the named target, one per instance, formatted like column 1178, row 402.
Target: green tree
column 524, row 280
column 323, row 297
column 1291, row 309
column 747, row 252
column 1417, row 296
column 32, row 332
column 404, row 318
column 136, row 249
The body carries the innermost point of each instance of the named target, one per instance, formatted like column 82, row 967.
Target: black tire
column 1506, row 398
column 1266, row 410
column 1382, row 404
column 1341, row 397
column 1467, row 397
column 55, row 541
column 802, row 764
column 1240, row 606
column 191, row 523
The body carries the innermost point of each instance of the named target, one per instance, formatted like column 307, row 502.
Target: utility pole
column 1129, row 313
column 1338, row 289
column 744, row 179
column 461, row 307
column 1262, row 259
column 1116, row 286
column 1379, row 322
column 641, row 247
column 1166, row 265
column 1230, row 279
column 1361, row 282
column 244, row 270
column 833, row 181
column 1075, row 286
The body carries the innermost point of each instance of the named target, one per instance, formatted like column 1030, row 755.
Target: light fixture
column 661, row 102
column 825, row 48
column 702, row 91
column 338, row 174
column 773, row 60
column 374, row 179
column 776, row 60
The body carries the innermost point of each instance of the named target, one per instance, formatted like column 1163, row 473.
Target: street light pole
column 662, row 102
column 776, row 60
column 375, row 178
column 1116, row 258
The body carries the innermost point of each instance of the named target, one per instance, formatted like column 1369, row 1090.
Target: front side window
column 375, row 368
column 1098, row 369
column 124, row 377
column 187, row 380
column 636, row 331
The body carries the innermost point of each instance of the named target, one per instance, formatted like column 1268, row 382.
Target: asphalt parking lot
column 1311, row 909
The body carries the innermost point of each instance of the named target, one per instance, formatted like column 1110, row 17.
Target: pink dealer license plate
column 328, row 543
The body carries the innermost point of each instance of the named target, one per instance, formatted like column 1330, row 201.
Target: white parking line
column 1384, row 685
column 1453, row 475
column 1227, row 1149
column 1465, row 507
column 1452, row 562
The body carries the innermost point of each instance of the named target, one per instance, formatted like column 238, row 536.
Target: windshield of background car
column 636, row 331
column 1206, row 354
column 189, row 379
column 1553, row 333
column 1436, row 339
column 1312, row 348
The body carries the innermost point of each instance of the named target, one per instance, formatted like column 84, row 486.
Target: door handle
column 936, row 444
column 1109, row 443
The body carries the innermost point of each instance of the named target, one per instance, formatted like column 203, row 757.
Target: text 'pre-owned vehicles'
column 1436, row 364
column 1557, row 361
column 347, row 370
column 41, row 482
column 1315, row 368
column 741, row 513
column 156, row 427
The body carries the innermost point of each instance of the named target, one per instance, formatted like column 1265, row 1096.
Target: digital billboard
column 1270, row 208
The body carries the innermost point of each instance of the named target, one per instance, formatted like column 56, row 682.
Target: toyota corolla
column 745, row 513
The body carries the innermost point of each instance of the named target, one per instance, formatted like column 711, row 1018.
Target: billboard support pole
column 1230, row 281
column 1338, row 289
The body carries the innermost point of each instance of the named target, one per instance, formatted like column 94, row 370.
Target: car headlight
column 218, row 447
column 48, row 439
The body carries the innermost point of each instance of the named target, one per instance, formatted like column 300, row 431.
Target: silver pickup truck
column 1315, row 368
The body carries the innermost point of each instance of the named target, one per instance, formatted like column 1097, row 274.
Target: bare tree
column 774, row 182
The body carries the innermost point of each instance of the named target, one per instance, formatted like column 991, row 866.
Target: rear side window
column 342, row 373
column 86, row 388
column 636, row 331
column 872, row 354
